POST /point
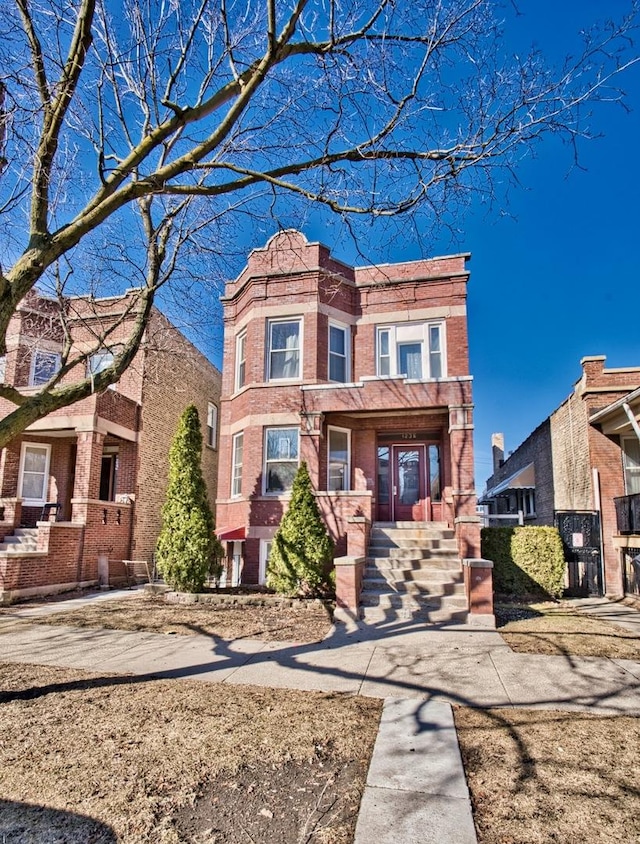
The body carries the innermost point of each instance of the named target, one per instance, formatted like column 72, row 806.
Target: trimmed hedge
column 526, row 560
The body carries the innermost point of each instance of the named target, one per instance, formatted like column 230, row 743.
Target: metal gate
column 580, row 534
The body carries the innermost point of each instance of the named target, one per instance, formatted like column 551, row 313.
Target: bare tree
column 133, row 132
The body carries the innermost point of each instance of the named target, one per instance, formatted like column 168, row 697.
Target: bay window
column 236, row 464
column 339, row 353
column 281, row 458
column 284, row 348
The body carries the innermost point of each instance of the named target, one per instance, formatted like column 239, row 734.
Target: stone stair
column 413, row 571
column 22, row 541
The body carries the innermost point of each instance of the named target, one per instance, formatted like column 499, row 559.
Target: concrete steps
column 413, row 571
column 22, row 541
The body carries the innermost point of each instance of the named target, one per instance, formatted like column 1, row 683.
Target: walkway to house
column 416, row 789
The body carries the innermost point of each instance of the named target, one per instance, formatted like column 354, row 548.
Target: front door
column 409, row 484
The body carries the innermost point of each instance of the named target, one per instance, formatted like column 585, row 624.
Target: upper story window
column 237, row 449
column 98, row 362
column 631, row 462
column 339, row 352
column 414, row 350
column 241, row 360
column 280, row 458
column 44, row 366
column 212, row 425
column 284, row 345
column 3, row 367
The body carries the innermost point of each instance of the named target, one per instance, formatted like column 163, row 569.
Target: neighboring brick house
column 363, row 373
column 583, row 459
column 100, row 464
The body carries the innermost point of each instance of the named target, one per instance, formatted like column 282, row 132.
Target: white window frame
column 99, row 361
column 236, row 465
column 346, row 331
column 628, row 469
column 266, row 462
column 241, row 360
column 347, row 474
column 265, row 550
column 34, row 358
column 3, row 368
column 34, row 502
column 212, row 425
column 388, row 365
column 270, row 351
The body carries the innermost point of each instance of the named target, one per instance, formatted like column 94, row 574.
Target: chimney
column 497, row 451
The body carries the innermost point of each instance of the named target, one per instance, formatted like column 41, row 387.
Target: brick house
column 363, row 373
column 580, row 469
column 82, row 489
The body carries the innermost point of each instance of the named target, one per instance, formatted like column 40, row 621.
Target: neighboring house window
column 265, row 550
column 339, row 459
column 236, row 468
column 414, row 350
column 44, row 366
column 281, row 458
column 34, row 473
column 3, row 367
column 339, row 353
column 284, row 349
column 241, row 360
column 212, row 424
column 631, row 462
column 98, row 362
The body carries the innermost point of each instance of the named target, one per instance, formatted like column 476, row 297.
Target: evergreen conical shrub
column 302, row 550
column 187, row 545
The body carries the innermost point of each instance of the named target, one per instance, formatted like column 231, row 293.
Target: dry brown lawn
column 306, row 623
column 541, row 777
column 559, row 628
column 87, row 758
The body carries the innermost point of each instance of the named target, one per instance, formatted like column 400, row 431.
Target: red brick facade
column 107, row 455
column 400, row 397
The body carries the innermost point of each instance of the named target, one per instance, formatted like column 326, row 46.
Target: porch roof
column 613, row 418
column 523, row 478
column 237, row 534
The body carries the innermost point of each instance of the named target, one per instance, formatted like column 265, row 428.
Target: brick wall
column 176, row 374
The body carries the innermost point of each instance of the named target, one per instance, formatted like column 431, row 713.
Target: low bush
column 528, row 561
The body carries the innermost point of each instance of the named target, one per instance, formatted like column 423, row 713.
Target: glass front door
column 409, row 484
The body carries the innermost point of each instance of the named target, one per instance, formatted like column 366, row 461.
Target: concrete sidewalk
column 416, row 790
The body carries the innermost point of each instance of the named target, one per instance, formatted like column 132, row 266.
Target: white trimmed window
column 44, row 366
column 281, row 458
column 265, row 550
column 414, row 350
column 284, row 349
column 212, row 425
column 3, row 367
column 34, row 473
column 631, row 463
column 339, row 453
column 98, row 362
column 236, row 466
column 339, row 352
column 241, row 360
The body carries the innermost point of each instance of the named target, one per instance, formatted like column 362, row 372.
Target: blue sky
column 554, row 277
column 554, row 272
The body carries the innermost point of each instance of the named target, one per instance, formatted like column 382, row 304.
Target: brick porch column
column 88, row 465
column 310, row 444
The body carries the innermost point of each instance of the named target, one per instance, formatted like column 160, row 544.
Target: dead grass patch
column 547, row 628
column 304, row 624
column 158, row 760
column 541, row 777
